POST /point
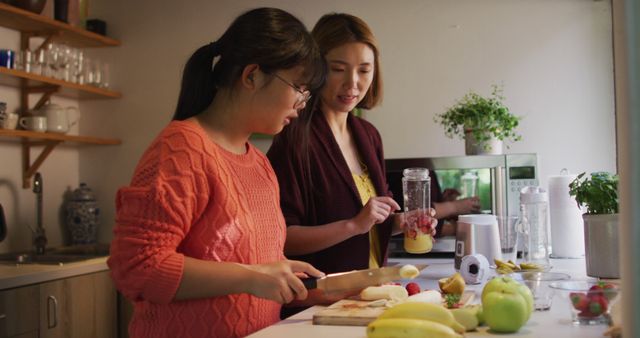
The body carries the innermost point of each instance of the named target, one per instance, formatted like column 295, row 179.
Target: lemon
column 454, row 284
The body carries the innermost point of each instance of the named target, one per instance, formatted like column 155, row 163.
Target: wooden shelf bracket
column 29, row 169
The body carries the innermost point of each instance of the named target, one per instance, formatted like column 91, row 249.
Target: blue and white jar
column 82, row 215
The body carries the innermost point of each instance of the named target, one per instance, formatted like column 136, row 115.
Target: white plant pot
column 601, row 245
column 491, row 147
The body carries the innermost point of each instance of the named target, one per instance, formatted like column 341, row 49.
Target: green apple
column 505, row 311
column 504, row 283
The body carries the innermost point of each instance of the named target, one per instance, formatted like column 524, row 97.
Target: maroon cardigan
column 331, row 193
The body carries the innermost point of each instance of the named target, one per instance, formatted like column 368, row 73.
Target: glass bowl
column 539, row 284
column 589, row 301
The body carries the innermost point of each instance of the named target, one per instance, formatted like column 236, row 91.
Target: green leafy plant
column 598, row 192
column 483, row 117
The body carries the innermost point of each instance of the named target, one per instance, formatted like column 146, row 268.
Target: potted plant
column 598, row 193
column 483, row 122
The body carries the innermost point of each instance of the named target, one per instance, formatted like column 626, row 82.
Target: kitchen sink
column 57, row 256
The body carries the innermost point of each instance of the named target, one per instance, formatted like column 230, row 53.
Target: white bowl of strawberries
column 590, row 302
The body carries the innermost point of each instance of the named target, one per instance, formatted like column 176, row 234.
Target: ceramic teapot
column 82, row 215
column 58, row 119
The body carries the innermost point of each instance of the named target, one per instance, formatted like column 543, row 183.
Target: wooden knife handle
column 310, row 283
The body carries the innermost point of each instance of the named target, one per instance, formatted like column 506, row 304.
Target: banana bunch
column 414, row 319
column 505, row 268
column 408, row 328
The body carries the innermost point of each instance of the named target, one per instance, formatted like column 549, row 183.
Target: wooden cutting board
column 351, row 312
column 348, row 312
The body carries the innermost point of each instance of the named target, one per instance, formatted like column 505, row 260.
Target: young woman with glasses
column 330, row 163
column 199, row 239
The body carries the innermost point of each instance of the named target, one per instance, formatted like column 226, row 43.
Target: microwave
column 500, row 178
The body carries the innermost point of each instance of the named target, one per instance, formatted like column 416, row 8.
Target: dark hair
column 269, row 37
column 331, row 31
column 336, row 29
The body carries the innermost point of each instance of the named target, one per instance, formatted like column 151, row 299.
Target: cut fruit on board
column 353, row 312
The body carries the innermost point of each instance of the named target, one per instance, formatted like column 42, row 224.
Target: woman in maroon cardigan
column 330, row 163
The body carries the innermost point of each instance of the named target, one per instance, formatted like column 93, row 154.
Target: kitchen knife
column 358, row 279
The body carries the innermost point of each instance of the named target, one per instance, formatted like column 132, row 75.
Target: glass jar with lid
column 82, row 216
column 416, row 190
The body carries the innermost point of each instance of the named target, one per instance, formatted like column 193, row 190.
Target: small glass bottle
column 416, row 185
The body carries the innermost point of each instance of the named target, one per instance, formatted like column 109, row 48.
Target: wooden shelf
column 38, row 136
column 14, row 78
column 39, row 25
column 34, row 25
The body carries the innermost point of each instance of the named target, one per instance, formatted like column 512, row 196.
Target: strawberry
column 412, row 233
column 424, row 220
column 579, row 300
column 602, row 286
column 609, row 290
column 598, row 305
column 586, row 314
column 412, row 288
column 596, row 287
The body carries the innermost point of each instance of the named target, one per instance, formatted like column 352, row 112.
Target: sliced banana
column 391, row 292
column 429, row 296
column 409, row 271
column 378, row 303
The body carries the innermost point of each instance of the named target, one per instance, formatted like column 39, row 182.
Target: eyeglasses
column 304, row 96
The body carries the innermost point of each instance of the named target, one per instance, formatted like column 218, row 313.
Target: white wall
column 553, row 56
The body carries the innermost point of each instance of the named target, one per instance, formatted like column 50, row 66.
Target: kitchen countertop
column 14, row 275
column 553, row 323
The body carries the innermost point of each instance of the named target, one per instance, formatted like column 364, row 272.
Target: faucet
column 40, row 238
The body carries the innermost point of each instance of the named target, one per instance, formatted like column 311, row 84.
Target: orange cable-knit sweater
column 190, row 197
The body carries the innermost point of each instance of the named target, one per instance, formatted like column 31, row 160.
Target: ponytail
column 198, row 82
column 268, row 37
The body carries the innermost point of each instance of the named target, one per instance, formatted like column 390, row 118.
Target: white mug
column 35, row 123
column 10, row 121
column 58, row 120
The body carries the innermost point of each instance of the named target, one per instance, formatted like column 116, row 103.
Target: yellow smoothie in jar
column 420, row 243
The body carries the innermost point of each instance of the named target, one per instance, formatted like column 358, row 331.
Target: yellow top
column 367, row 190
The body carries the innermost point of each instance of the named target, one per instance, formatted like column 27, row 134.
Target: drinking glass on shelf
column 92, row 74
column 27, row 60
column 52, row 60
column 18, row 63
column 77, row 73
column 64, row 61
column 40, row 62
column 104, row 83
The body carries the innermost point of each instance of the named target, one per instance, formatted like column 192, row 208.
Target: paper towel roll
column 567, row 228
